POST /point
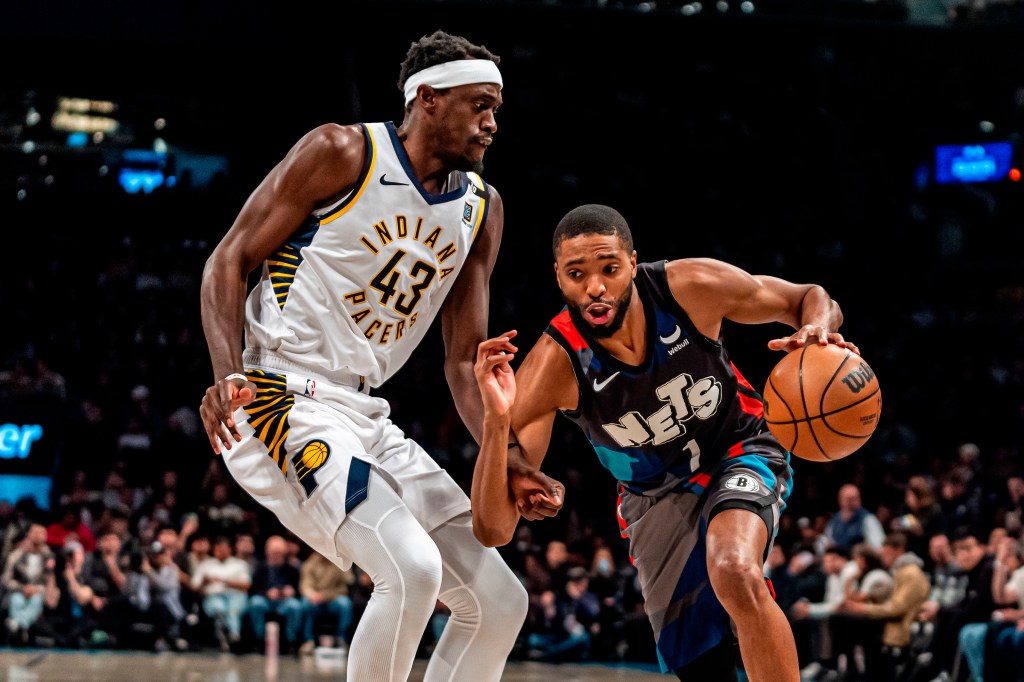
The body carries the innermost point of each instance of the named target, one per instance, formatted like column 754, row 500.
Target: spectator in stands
column 961, row 501
column 70, row 527
column 274, row 590
column 811, row 627
column 852, row 523
column 975, row 603
column 25, row 577
column 198, row 551
column 324, row 589
column 66, row 620
column 944, row 571
column 1000, row 630
column 101, row 572
column 245, row 549
column 567, row 621
column 224, row 582
column 921, row 516
column 606, row 582
column 858, row 642
column 221, row 512
column 899, row 611
column 165, row 584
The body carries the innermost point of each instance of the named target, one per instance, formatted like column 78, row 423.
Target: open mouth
column 598, row 313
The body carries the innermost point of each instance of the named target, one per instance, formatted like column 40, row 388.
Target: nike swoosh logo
column 673, row 337
column 384, row 181
column 598, row 385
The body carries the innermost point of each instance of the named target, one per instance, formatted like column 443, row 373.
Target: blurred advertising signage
column 16, row 441
column 970, row 163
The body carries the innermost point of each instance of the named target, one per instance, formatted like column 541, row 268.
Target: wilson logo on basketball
column 858, row 378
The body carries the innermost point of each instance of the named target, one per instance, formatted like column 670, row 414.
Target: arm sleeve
column 874, row 534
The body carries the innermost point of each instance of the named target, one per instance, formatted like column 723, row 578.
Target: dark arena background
column 872, row 147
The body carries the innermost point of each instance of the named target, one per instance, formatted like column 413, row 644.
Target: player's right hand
column 494, row 374
column 218, row 408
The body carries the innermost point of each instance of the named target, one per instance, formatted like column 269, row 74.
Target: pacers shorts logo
column 313, row 456
column 743, row 482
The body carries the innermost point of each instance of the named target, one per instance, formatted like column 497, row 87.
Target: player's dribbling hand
column 494, row 375
column 218, row 408
column 538, row 496
column 811, row 333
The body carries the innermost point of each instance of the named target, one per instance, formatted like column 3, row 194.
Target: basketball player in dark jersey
column 636, row 360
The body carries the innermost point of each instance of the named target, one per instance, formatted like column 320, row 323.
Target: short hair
column 576, row 573
column 897, row 540
column 837, row 550
column 437, row 48
column 591, row 219
column 961, row 533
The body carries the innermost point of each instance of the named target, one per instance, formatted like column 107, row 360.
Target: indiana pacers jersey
column 662, row 425
column 354, row 290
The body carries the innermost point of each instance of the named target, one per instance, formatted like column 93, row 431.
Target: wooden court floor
column 45, row 665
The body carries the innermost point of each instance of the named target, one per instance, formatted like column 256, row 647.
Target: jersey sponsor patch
column 743, row 482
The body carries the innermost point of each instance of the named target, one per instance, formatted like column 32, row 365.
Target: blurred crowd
column 901, row 562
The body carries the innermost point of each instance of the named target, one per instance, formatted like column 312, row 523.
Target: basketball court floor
column 45, row 665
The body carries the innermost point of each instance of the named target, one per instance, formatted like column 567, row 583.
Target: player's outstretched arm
column 464, row 317
column 711, row 291
column 507, row 482
column 493, row 511
column 323, row 165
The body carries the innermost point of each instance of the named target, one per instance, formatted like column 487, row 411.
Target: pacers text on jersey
column 400, row 283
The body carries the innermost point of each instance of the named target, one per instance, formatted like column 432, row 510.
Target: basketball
column 822, row 402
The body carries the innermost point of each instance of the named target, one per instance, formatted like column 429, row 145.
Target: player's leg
column 305, row 461
column 666, row 544
column 487, row 601
column 744, row 500
column 736, row 541
column 404, row 564
column 488, row 604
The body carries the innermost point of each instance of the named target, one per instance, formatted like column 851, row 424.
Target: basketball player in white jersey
column 364, row 233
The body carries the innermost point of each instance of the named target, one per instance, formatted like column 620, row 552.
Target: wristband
column 236, row 375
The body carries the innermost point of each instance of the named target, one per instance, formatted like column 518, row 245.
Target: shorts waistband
column 271, row 362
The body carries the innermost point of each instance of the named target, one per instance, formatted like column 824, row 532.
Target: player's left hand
column 538, row 496
column 811, row 333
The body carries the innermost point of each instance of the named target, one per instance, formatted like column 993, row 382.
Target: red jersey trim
column 563, row 323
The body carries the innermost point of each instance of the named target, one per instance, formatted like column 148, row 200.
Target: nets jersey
column 664, row 424
column 353, row 291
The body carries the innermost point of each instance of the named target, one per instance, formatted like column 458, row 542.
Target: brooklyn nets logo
column 743, row 483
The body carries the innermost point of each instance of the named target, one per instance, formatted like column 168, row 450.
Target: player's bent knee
column 508, row 604
column 737, row 581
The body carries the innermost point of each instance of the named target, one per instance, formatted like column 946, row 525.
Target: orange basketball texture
column 822, row 402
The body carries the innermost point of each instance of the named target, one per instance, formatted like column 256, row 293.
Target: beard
column 620, row 305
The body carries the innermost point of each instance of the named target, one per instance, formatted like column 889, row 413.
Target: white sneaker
column 810, row 671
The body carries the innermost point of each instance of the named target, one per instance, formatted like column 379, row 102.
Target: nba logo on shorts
column 742, row 482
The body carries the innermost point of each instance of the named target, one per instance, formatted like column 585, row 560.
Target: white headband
column 450, row 74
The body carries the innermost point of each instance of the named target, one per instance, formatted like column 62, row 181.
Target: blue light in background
column 983, row 162
column 14, row 488
column 77, row 140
